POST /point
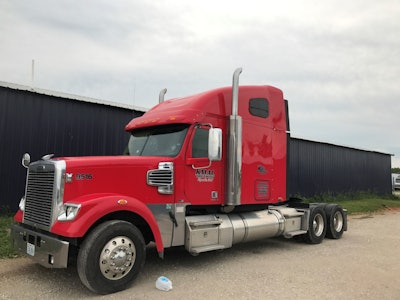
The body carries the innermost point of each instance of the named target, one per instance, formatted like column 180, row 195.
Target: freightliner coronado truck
column 204, row 172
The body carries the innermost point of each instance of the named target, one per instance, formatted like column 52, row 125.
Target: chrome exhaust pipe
column 234, row 182
column 161, row 95
column 235, row 91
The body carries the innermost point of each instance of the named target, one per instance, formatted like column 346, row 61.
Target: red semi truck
column 204, row 172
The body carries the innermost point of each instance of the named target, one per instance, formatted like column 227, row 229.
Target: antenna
column 134, row 92
column 33, row 74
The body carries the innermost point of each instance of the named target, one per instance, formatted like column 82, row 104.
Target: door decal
column 205, row 175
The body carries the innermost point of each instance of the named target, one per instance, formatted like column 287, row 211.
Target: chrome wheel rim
column 117, row 258
column 338, row 221
column 318, row 225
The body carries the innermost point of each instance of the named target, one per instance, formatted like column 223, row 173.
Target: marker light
column 22, row 204
column 122, row 202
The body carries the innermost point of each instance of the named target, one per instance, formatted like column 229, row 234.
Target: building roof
column 69, row 96
column 342, row 146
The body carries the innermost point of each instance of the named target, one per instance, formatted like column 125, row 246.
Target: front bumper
column 43, row 249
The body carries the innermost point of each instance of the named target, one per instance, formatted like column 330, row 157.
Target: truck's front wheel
column 111, row 256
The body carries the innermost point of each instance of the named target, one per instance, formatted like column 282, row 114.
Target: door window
column 200, row 143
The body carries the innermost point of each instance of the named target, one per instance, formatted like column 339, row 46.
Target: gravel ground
column 364, row 264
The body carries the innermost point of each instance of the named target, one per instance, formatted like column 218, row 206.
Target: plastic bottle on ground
column 163, row 284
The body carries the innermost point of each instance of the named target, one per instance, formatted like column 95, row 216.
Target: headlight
column 68, row 212
column 22, row 204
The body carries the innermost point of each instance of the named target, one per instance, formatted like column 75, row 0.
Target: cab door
column 203, row 178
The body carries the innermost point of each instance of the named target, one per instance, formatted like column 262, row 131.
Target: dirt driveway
column 364, row 264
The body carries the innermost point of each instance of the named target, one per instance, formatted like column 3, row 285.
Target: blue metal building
column 40, row 121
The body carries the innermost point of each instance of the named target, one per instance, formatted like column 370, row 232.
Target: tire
column 111, row 257
column 316, row 226
column 335, row 220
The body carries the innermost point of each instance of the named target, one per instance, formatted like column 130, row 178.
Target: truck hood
column 125, row 176
column 101, row 161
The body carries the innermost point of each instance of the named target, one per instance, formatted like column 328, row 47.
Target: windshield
column 157, row 141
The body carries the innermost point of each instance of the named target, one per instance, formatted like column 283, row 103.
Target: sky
column 337, row 61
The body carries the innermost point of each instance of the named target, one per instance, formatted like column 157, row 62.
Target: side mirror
column 215, row 144
column 26, row 160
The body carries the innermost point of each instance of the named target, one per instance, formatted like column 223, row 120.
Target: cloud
column 338, row 62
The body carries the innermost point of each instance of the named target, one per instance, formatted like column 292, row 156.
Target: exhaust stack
column 234, row 180
column 161, row 96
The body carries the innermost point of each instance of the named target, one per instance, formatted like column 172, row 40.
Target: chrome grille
column 39, row 197
column 44, row 193
column 163, row 177
column 159, row 177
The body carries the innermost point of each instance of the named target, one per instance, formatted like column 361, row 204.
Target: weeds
column 6, row 250
column 360, row 202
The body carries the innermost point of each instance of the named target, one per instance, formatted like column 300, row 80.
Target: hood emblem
column 68, row 177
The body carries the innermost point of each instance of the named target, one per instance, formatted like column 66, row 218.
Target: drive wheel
column 335, row 220
column 316, row 226
column 111, row 257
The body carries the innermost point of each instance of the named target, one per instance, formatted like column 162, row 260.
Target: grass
column 6, row 250
column 360, row 203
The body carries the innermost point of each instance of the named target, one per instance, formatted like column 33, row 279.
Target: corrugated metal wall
column 39, row 124
column 317, row 168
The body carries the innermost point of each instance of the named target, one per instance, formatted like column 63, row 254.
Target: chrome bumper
column 43, row 249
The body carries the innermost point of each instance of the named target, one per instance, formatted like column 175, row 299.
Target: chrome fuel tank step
column 214, row 232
